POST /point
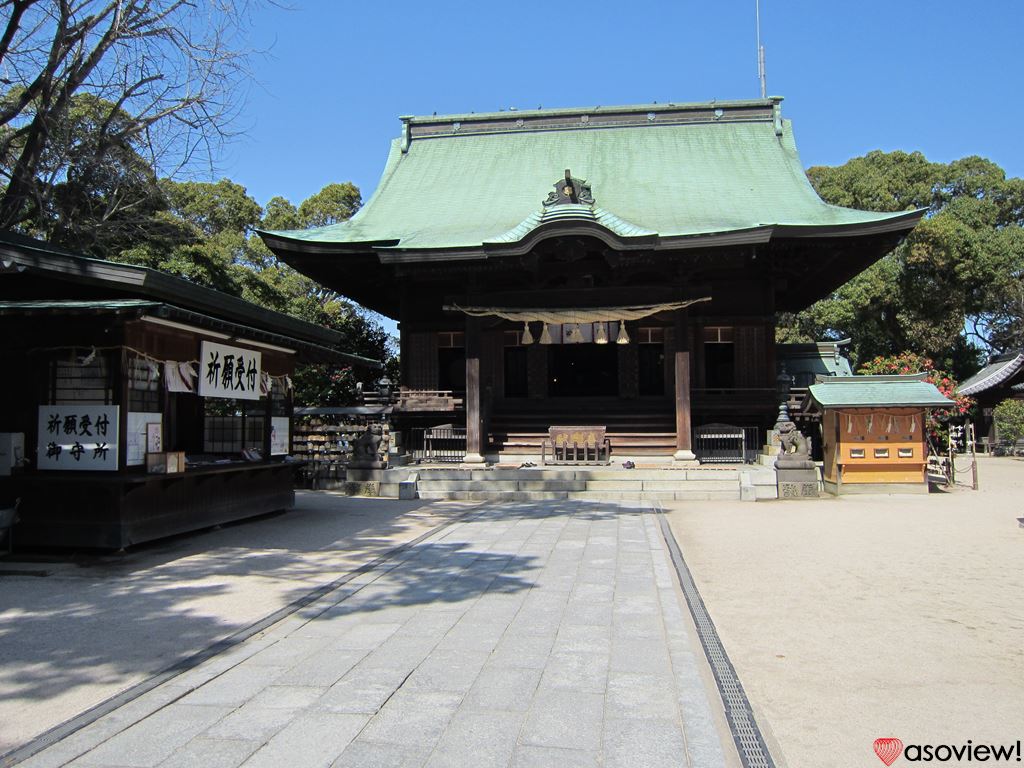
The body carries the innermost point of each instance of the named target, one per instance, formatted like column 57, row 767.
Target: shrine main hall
column 620, row 266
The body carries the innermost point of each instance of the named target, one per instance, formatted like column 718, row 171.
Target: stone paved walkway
column 544, row 634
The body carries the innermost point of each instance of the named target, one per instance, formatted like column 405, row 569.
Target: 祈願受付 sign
column 229, row 371
column 78, row 437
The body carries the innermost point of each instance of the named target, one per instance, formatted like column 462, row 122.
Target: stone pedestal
column 797, row 483
column 368, row 464
column 685, row 458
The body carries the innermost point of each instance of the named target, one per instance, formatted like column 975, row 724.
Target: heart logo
column 888, row 750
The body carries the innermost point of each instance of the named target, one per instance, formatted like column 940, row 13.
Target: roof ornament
column 570, row 191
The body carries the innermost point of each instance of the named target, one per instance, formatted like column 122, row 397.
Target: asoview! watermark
column 889, row 750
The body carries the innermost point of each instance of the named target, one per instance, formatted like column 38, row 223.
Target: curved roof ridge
column 570, row 214
column 993, row 374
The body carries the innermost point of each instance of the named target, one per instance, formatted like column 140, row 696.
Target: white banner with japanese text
column 229, row 371
column 78, row 437
column 279, row 435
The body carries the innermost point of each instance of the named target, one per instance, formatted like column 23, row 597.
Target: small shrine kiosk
column 143, row 405
column 616, row 267
column 873, row 432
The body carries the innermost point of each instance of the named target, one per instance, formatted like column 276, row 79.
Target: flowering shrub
column 907, row 363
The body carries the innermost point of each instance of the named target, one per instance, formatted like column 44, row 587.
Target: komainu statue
column 794, row 451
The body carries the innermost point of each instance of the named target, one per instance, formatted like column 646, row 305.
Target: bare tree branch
column 168, row 70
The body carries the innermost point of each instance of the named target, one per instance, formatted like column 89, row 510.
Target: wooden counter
column 111, row 511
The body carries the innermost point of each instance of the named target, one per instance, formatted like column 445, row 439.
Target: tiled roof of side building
column 664, row 171
column 995, row 373
column 877, row 392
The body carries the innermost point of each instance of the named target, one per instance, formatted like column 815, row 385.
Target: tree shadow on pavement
column 99, row 624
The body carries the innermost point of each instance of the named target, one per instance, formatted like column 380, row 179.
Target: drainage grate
column 749, row 741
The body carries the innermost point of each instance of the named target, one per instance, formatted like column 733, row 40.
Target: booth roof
column 142, row 308
column 877, row 392
column 654, row 170
column 64, row 274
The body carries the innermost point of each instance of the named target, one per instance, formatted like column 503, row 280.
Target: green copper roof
column 877, row 392
column 662, row 171
column 76, row 305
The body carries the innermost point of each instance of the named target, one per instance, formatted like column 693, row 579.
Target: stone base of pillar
column 473, row 458
column 684, row 457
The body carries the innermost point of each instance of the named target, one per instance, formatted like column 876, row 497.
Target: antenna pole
column 760, row 52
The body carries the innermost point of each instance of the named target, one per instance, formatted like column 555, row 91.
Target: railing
column 754, row 439
column 442, row 444
column 413, row 400
column 727, row 444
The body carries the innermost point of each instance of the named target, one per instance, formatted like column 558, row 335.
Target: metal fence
column 442, row 444
column 727, row 444
column 754, row 439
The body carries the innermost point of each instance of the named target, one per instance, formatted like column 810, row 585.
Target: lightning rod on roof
column 760, row 52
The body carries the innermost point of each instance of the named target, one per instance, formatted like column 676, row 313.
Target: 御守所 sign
column 78, row 437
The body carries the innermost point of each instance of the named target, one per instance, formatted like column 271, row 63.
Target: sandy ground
column 84, row 628
column 864, row 617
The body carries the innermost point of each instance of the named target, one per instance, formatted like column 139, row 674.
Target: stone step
column 496, row 474
column 664, row 485
column 498, row 495
column 552, row 485
column 689, row 485
column 536, row 484
column 654, row 495
column 693, row 473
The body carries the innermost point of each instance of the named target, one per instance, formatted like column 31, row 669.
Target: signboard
column 78, row 437
column 279, row 435
column 229, row 371
column 139, row 424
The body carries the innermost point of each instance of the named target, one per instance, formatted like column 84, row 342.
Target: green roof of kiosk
column 877, row 392
column 659, row 175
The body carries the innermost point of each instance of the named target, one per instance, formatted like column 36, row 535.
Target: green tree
column 302, row 297
column 1009, row 419
column 953, row 286
column 96, row 191
column 332, row 204
column 206, row 237
column 281, row 214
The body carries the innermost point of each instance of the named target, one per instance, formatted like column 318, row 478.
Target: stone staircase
column 580, row 484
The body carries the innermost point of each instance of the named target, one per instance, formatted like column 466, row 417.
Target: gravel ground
column 864, row 617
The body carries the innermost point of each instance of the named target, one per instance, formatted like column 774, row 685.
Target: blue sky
column 930, row 76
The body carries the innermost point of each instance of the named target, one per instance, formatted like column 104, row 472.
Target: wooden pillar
column 684, row 449
column 122, row 365
column 474, row 415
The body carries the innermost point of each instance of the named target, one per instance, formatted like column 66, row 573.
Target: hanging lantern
column 600, row 333
column 545, row 335
column 575, row 334
column 623, row 336
column 527, row 336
